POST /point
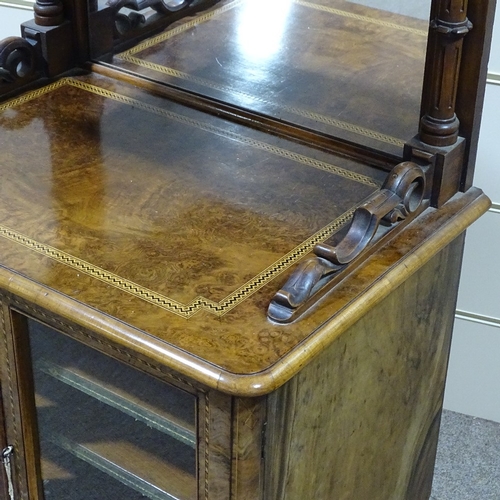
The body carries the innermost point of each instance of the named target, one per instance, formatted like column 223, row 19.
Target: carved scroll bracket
column 400, row 198
column 44, row 48
column 17, row 60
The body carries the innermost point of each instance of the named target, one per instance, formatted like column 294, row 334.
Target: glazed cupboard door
column 92, row 427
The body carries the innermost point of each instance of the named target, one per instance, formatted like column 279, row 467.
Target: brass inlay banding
column 200, row 302
column 151, row 42
column 305, row 160
column 164, row 302
column 33, row 95
column 13, row 412
column 236, row 3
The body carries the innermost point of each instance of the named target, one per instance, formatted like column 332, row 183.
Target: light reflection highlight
column 261, row 26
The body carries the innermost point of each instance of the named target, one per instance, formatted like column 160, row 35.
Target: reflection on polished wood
column 218, row 210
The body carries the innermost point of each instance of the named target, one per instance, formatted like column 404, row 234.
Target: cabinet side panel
column 361, row 420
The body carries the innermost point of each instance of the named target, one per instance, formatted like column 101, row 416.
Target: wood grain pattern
column 249, row 427
column 360, row 420
column 96, row 221
column 17, row 382
column 157, row 233
column 213, row 234
column 215, row 450
column 135, row 248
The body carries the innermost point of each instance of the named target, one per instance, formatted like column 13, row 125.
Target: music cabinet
column 230, row 244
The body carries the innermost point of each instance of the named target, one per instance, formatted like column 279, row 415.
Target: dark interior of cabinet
column 106, row 430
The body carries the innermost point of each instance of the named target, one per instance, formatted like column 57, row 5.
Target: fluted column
column 439, row 125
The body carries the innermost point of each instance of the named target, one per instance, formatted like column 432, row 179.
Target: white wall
column 494, row 65
column 416, row 8
column 473, row 384
column 11, row 19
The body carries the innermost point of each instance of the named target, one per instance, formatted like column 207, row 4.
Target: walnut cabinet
column 230, row 245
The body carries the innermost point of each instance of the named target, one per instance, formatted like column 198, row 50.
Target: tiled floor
column 468, row 459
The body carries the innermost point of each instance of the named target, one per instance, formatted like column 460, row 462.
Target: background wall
column 474, row 371
column 473, row 385
column 12, row 15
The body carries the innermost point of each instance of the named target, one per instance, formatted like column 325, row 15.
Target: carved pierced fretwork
column 439, row 125
column 400, row 198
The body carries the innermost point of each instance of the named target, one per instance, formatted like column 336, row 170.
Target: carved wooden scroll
column 439, row 125
column 44, row 49
column 400, row 198
column 17, row 60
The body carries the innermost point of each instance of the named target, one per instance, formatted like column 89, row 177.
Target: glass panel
column 107, row 430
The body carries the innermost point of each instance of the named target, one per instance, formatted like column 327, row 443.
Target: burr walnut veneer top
column 168, row 231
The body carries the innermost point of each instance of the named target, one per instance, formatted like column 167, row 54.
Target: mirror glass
column 350, row 69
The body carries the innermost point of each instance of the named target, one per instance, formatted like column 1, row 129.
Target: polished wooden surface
column 163, row 217
column 102, row 220
column 335, row 66
column 449, row 25
column 168, row 231
column 180, row 225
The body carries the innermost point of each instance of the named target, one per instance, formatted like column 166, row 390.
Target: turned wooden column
column 449, row 24
column 48, row 12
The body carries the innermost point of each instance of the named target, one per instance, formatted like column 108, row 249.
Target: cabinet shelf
column 130, row 466
column 117, row 399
